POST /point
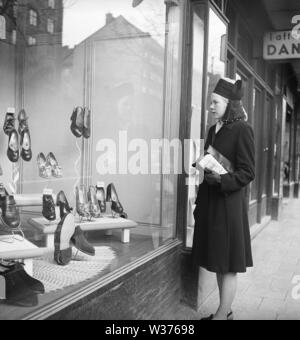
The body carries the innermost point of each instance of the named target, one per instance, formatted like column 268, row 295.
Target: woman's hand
column 212, row 178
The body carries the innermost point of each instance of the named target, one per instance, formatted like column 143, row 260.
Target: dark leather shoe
column 35, row 285
column 10, row 216
column 26, row 152
column 63, row 204
column 13, row 147
column 112, row 196
column 77, row 119
column 18, row 292
column 48, row 208
column 86, row 123
column 62, row 240
column 208, row 318
column 9, row 123
column 23, row 121
column 80, row 242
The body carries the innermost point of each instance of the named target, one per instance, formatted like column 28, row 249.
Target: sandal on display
column 10, row 216
column 48, row 208
column 55, row 168
column 23, row 121
column 77, row 119
column 86, row 123
column 100, row 195
column 80, row 242
column 62, row 203
column 43, row 166
column 93, row 202
column 9, row 123
column 62, row 240
column 26, row 152
column 116, row 206
column 13, row 147
column 82, row 204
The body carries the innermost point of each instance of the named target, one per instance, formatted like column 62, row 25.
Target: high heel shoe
column 86, row 132
column 43, row 167
column 77, row 122
column 63, row 204
column 82, row 204
column 55, row 168
column 116, row 206
column 100, row 195
column 13, row 147
column 26, row 152
column 93, row 203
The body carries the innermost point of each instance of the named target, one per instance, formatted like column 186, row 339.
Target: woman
column 222, row 241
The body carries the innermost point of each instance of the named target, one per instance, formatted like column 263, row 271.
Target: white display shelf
column 104, row 223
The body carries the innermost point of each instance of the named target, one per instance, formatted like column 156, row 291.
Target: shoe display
column 9, row 123
column 44, row 168
column 100, row 195
column 62, row 203
column 80, row 242
column 26, row 152
column 48, row 208
column 86, row 123
column 93, row 203
column 116, row 206
column 62, row 240
column 18, row 291
column 23, row 122
column 77, row 119
column 82, row 204
column 13, row 147
column 10, row 216
column 55, row 168
column 3, row 191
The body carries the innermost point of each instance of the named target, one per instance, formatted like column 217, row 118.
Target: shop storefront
column 140, row 74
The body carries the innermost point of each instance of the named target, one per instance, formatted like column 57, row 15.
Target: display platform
column 104, row 223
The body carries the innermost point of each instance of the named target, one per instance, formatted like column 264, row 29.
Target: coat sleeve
column 245, row 163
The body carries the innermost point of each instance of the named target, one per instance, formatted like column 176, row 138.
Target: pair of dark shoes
column 68, row 235
column 48, row 210
column 20, row 288
column 81, row 122
column 13, row 150
column 211, row 317
column 9, row 216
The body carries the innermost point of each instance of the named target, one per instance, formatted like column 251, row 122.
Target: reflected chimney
column 109, row 18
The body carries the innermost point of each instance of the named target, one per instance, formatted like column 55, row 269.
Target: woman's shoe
column 9, row 123
column 10, row 216
column 82, row 204
column 230, row 316
column 100, row 195
column 116, row 206
column 93, row 203
column 48, row 208
column 62, row 240
column 62, row 203
column 80, row 242
column 23, row 121
column 26, row 152
column 55, row 168
column 43, row 167
column 13, row 147
column 211, row 317
column 86, row 132
column 77, row 119
column 208, row 318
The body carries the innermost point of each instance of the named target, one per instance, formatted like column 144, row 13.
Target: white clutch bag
column 210, row 163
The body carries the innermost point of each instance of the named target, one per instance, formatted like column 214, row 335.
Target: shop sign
column 284, row 44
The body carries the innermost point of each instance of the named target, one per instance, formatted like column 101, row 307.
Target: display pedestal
column 104, row 223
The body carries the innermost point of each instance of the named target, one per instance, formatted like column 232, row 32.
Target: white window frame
column 33, row 17
column 31, row 41
column 50, row 26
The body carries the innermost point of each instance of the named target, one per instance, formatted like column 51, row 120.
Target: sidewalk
column 265, row 292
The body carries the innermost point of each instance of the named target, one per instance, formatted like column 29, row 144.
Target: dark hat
column 229, row 90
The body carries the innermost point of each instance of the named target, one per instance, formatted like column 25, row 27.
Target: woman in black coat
column 222, row 242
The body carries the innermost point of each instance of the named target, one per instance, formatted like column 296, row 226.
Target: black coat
column 222, row 242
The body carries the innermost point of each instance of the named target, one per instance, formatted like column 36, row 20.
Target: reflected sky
column 85, row 17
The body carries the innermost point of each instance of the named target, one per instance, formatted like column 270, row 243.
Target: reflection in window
column 33, row 17
column 50, row 26
column 2, row 27
column 51, row 3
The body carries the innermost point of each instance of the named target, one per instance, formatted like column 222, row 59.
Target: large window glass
column 101, row 96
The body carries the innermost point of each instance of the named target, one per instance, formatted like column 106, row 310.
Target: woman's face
column 218, row 106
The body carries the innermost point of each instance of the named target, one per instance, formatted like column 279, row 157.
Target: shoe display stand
column 104, row 223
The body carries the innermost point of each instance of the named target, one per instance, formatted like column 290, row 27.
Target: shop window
column 33, row 17
column 130, row 138
column 14, row 37
column 231, row 15
column 245, row 44
column 2, row 27
column 51, row 3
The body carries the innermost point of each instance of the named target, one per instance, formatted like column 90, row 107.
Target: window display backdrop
column 123, row 63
